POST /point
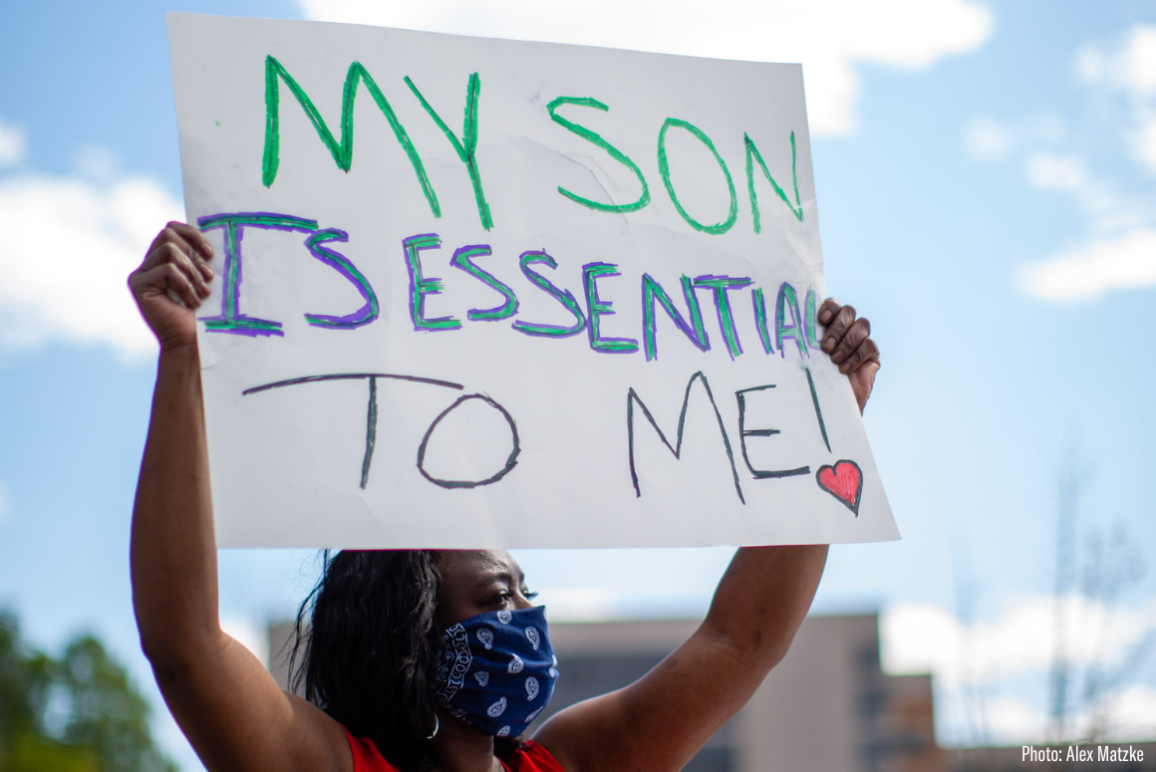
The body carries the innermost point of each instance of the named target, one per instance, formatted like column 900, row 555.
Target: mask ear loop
column 437, row 726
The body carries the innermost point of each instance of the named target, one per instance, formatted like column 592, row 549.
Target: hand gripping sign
column 553, row 296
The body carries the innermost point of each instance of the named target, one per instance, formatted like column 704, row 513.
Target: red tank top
column 532, row 758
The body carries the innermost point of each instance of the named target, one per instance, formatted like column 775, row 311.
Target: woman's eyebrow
column 490, row 577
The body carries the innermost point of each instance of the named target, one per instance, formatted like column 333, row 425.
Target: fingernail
column 837, row 357
column 829, row 345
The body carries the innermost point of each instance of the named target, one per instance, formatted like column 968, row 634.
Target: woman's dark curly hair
column 367, row 639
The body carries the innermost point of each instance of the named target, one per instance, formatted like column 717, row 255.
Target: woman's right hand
column 177, row 265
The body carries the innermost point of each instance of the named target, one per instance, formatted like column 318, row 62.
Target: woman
column 390, row 629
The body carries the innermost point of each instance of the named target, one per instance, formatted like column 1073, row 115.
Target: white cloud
column 1127, row 714
column 1144, row 140
column 67, row 246
column 827, row 36
column 13, row 144
column 1119, row 251
column 1129, row 65
column 1089, row 64
column 1135, row 64
column 987, row 139
column 919, row 638
column 1087, row 272
column 969, row 663
column 1052, row 172
column 97, row 162
column 1012, row 721
column 1131, row 713
column 1128, row 68
column 990, row 139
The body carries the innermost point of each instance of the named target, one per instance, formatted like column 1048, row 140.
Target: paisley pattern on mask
column 497, row 670
column 497, row 709
column 453, row 665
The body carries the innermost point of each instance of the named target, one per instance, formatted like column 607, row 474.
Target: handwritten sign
column 477, row 293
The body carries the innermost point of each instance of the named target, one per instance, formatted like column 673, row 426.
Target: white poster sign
column 477, row 293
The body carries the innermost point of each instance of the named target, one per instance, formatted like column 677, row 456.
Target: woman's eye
column 529, row 594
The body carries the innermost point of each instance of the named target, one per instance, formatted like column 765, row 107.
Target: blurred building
column 828, row 707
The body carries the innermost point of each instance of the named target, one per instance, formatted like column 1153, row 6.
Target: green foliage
column 78, row 713
column 30, row 753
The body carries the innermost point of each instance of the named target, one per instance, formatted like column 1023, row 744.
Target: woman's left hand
column 848, row 341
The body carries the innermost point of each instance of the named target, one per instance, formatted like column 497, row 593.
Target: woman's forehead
column 478, row 565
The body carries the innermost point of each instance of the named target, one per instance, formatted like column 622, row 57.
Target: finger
column 865, row 354
column 175, row 253
column 194, row 238
column 828, row 310
column 187, row 233
column 158, row 252
column 168, row 233
column 185, row 262
column 859, row 331
column 179, row 234
column 165, row 278
column 838, row 328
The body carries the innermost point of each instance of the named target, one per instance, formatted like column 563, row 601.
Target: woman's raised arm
column 659, row 722
column 231, row 709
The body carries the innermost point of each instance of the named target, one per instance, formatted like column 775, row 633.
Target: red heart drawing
column 844, row 481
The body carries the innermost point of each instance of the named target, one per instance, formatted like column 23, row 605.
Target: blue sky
column 985, row 188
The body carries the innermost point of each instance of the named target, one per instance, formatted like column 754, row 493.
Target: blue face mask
column 497, row 670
